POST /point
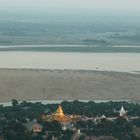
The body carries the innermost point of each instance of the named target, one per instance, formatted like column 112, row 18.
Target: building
column 60, row 116
column 122, row 112
column 66, row 121
column 33, row 126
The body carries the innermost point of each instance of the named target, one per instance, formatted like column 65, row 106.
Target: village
column 35, row 121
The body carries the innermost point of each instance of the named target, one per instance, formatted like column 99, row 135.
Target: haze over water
column 70, row 22
column 30, row 28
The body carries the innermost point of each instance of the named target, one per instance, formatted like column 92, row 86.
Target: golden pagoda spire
column 59, row 111
column 60, row 116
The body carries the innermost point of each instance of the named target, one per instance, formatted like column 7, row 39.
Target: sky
column 66, row 7
column 69, row 5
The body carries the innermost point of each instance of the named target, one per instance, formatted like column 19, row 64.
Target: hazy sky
column 54, row 9
column 69, row 5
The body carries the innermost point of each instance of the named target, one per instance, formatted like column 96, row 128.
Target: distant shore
column 71, row 48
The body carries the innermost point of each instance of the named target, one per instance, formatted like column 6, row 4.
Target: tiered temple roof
column 60, row 116
column 122, row 112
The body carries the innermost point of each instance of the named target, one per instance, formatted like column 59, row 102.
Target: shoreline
column 9, row 103
column 71, row 48
column 66, row 45
column 76, row 70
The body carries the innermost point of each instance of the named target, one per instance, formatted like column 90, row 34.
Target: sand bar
column 25, row 84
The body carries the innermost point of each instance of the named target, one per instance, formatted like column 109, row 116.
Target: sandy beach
column 69, row 76
column 23, row 84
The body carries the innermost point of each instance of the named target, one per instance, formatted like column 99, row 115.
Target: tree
column 14, row 102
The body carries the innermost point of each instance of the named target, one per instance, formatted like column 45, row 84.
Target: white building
column 122, row 112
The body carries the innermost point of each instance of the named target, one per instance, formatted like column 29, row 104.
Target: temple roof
column 122, row 111
column 60, row 116
column 59, row 110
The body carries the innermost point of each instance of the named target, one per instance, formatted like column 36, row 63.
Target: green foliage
column 14, row 102
column 12, row 118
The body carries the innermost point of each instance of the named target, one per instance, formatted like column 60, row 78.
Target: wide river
column 124, row 62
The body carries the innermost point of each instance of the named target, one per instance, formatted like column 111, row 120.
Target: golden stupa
column 60, row 116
